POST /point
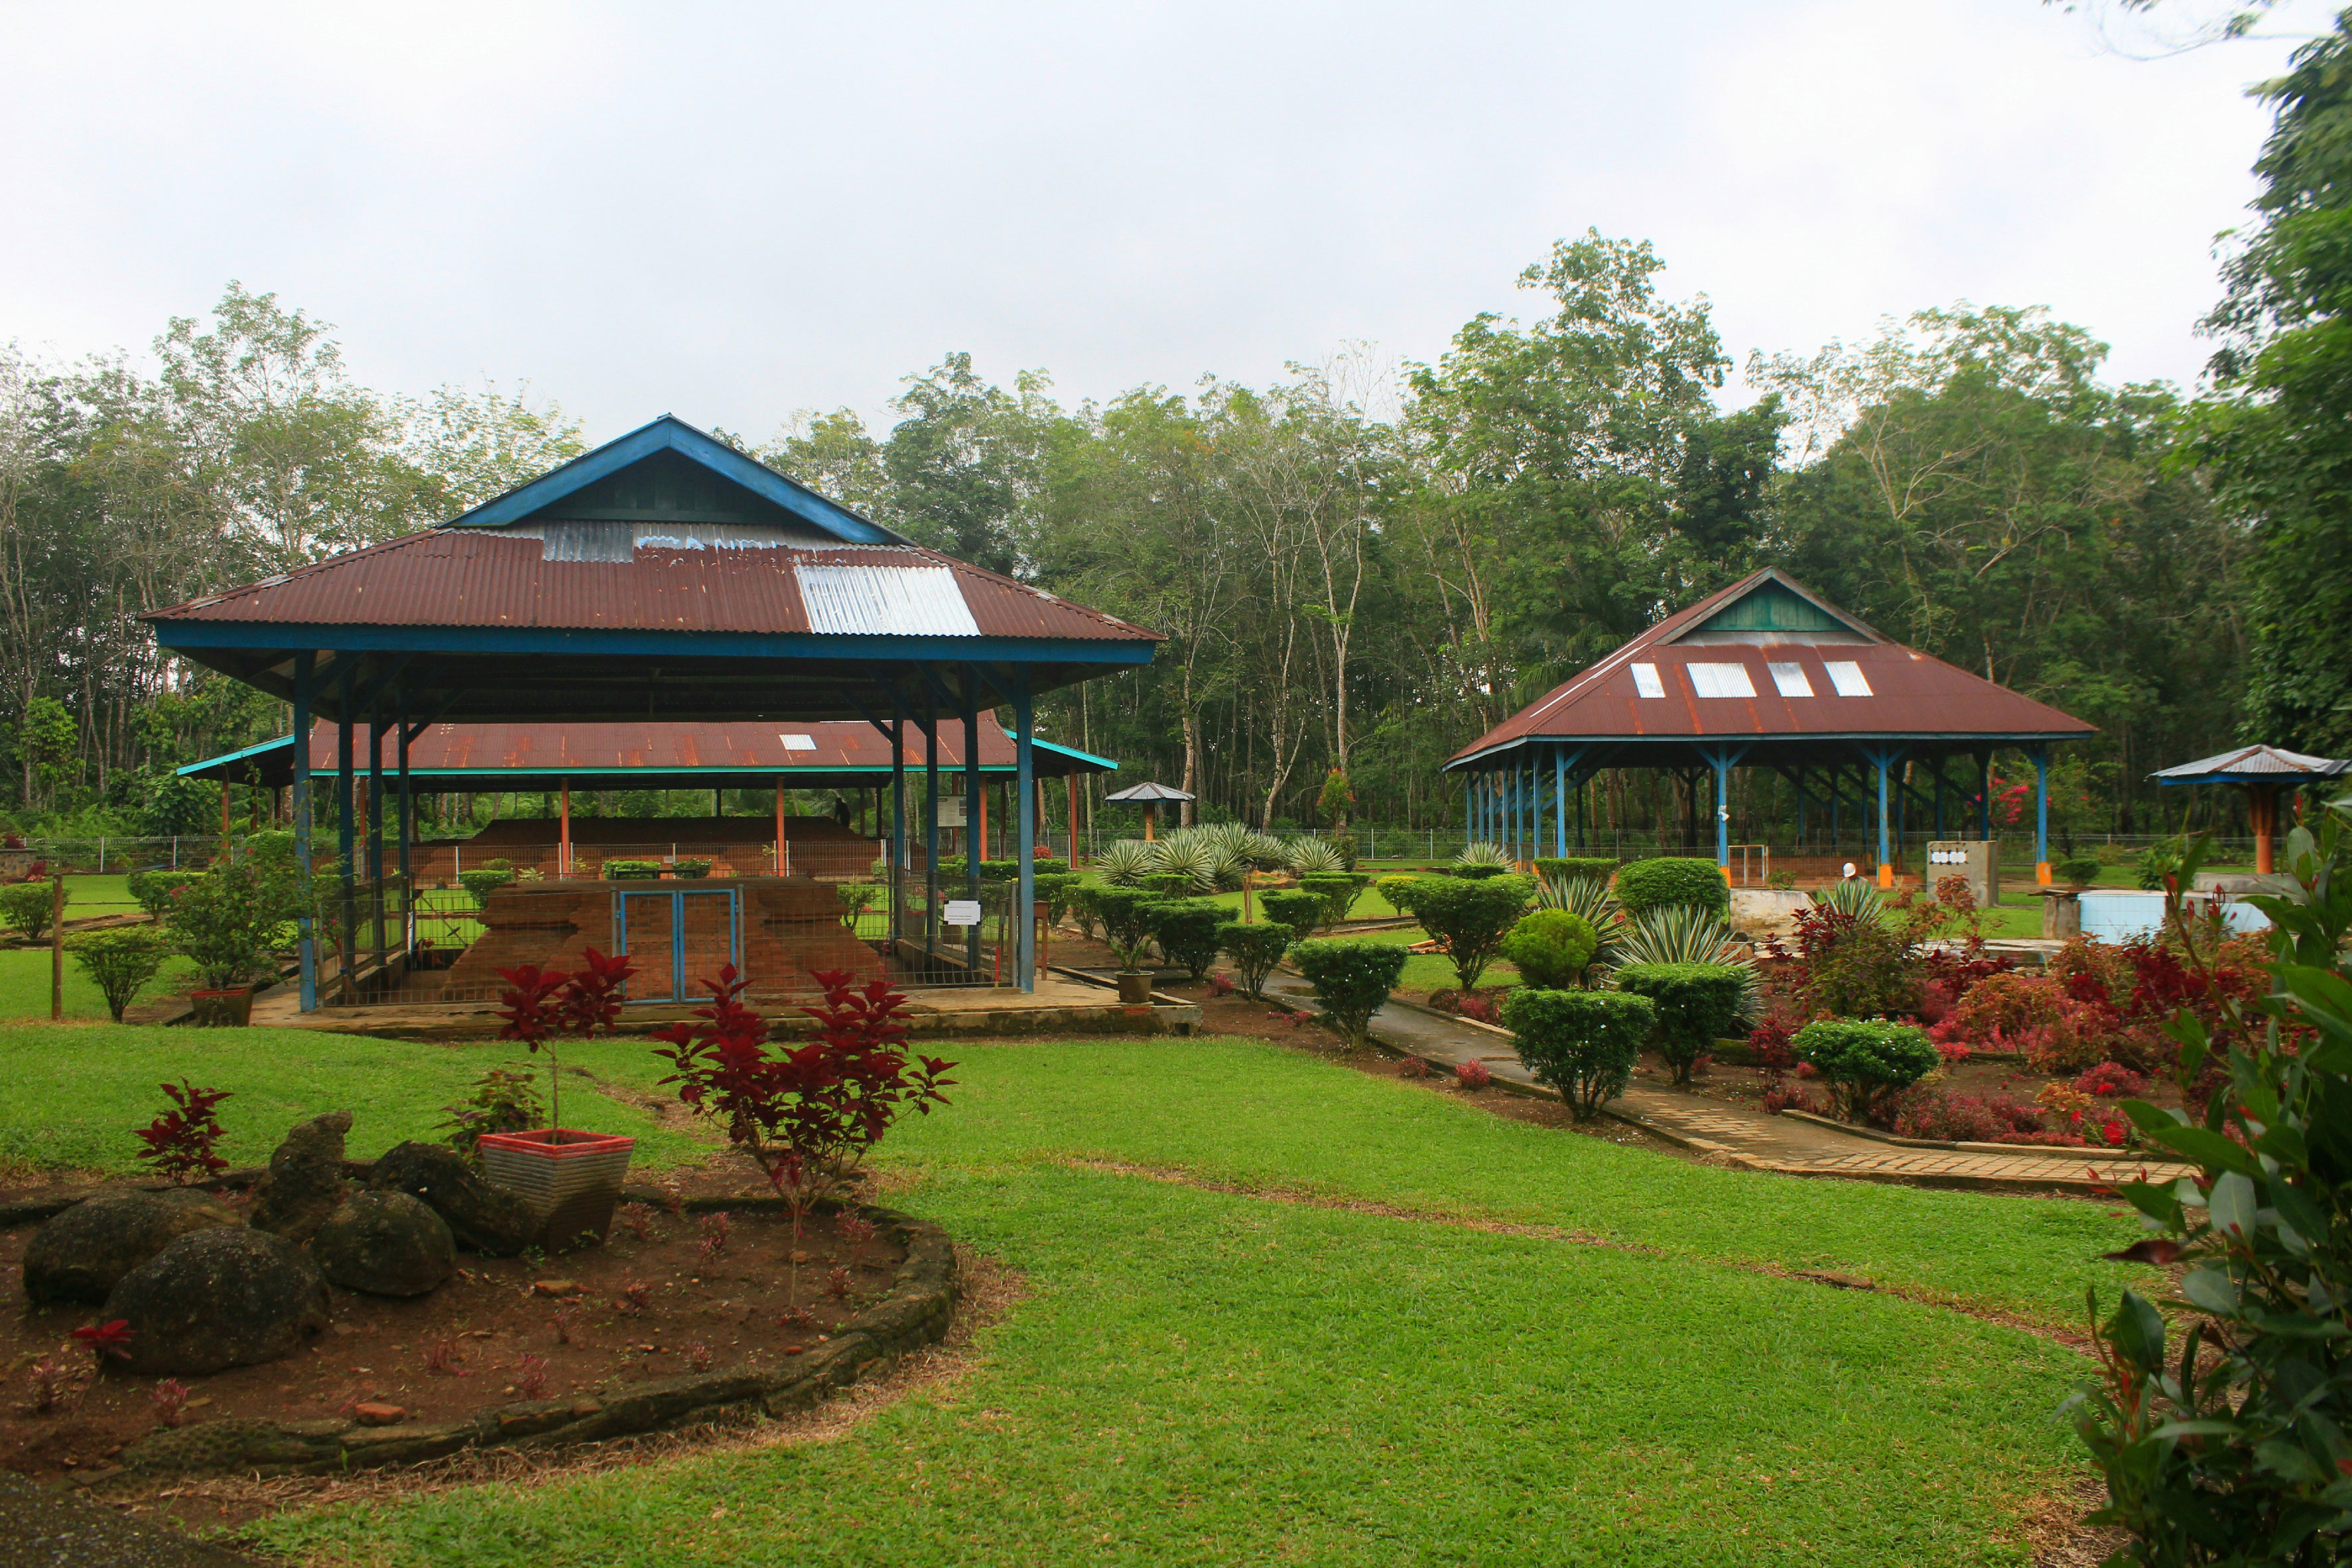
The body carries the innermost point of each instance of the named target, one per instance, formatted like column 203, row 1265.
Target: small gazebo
column 2263, row 772
column 1148, row 796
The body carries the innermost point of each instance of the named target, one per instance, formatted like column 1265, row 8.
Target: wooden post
column 1071, row 780
column 1150, row 810
column 58, row 946
column 780, row 857
column 563, row 834
column 225, row 830
column 2261, row 810
column 982, row 853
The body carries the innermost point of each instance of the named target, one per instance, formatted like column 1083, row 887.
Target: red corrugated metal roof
column 493, row 577
column 1912, row 694
column 662, row 747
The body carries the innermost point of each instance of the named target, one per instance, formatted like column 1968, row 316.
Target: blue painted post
column 301, row 792
column 2042, row 815
column 1886, row 853
column 1559, row 804
column 899, row 858
column 975, row 842
column 376, row 826
column 1025, row 967
column 345, row 834
column 1984, row 796
column 407, row 838
column 931, row 819
column 1722, row 760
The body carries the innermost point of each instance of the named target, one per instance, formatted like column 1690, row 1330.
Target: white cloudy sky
column 732, row 212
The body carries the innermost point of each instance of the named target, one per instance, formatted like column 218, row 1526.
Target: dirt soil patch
column 690, row 1293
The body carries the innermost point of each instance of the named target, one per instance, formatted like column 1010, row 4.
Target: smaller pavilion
column 1148, row 796
column 1764, row 673
column 2263, row 772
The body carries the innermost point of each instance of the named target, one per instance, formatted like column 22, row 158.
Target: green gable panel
column 666, row 486
column 1771, row 608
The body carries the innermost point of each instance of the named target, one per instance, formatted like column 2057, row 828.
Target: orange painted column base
column 2041, row 873
column 1885, row 874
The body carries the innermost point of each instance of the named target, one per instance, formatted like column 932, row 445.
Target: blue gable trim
column 264, row 748
column 671, row 434
column 636, row 643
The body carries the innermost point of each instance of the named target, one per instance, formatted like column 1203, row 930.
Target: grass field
column 1206, row 1376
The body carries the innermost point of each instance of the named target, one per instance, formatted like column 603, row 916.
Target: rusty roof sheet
column 2253, row 763
column 512, row 577
column 1648, row 691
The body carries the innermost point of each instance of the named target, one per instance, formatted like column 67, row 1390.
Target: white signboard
column 951, row 811
column 962, row 912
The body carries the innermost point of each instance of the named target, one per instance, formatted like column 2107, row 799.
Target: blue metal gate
column 680, row 939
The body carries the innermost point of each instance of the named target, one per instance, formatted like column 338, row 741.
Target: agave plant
column 1184, row 854
column 1126, row 861
column 1313, row 857
column 1595, row 904
column 1483, row 854
column 1265, row 851
column 1685, row 934
column 1852, row 897
column 1231, row 866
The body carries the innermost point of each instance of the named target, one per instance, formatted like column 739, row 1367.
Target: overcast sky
column 732, row 213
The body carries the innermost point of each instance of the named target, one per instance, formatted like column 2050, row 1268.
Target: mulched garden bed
column 503, row 1330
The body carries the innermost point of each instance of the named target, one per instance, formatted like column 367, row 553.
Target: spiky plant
column 1266, row 852
column 1685, row 934
column 1184, row 854
column 1231, row 866
column 1483, row 854
column 1313, row 857
column 1125, row 861
column 1592, row 902
column 1852, row 897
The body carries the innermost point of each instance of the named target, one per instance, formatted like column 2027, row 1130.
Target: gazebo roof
column 531, row 757
column 1768, row 665
column 1147, row 791
column 664, row 575
column 2252, row 764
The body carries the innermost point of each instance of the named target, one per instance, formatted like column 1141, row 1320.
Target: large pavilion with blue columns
column 1764, row 673
column 664, row 576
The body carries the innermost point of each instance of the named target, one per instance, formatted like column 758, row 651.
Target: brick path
column 1750, row 1138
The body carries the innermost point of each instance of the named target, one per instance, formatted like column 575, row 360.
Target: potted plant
column 571, row 1177
column 1127, row 932
column 228, row 921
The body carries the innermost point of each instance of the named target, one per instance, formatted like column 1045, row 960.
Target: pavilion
column 1764, row 673
column 2263, row 772
column 664, row 576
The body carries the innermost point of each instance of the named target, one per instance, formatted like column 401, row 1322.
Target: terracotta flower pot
column 229, row 1008
column 1135, row 987
column 572, row 1178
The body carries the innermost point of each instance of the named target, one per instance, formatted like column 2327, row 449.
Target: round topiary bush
column 1351, row 979
column 1581, row 1043
column 1866, row 1063
column 1575, row 868
column 1337, row 889
column 1550, row 948
column 1186, row 931
column 1255, row 949
column 1471, row 918
column 1301, row 911
column 1698, row 1004
column 1660, row 884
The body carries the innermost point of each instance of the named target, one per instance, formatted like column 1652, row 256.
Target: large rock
column 386, row 1243
column 483, row 1218
column 305, row 1184
column 219, row 1299
column 79, row 1254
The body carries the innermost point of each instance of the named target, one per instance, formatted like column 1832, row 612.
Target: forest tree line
column 1363, row 566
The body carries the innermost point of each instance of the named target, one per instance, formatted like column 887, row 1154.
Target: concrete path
column 1751, row 1139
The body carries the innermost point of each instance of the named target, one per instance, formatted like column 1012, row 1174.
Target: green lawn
column 77, row 1091
column 1209, row 1377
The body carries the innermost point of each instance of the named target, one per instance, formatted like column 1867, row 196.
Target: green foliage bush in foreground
column 1125, row 913
column 1698, row 1004
column 1581, row 1043
column 153, row 889
column 1657, row 884
column 1575, row 868
column 1471, row 918
column 1186, row 931
column 1866, row 1063
column 1550, row 948
column 2237, row 1450
column 230, row 920
column 1351, row 979
column 120, row 961
column 1255, row 949
column 24, row 908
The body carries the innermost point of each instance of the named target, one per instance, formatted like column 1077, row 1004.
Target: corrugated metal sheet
column 1912, row 694
column 505, row 577
column 2253, row 763
column 897, row 601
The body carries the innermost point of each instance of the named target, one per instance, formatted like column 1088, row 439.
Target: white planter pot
column 571, row 1179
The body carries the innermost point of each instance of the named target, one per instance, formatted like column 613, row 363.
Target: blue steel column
column 898, row 856
column 301, row 792
column 1024, row 966
column 1559, row 801
column 375, row 819
column 1722, row 812
column 407, row 836
column 346, row 826
column 1984, row 796
column 975, row 848
column 1469, row 808
column 931, row 819
column 1885, row 859
column 2042, row 815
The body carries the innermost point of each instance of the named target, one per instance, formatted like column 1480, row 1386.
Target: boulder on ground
column 483, row 1218
column 385, row 1244
column 80, row 1253
column 218, row 1298
column 305, row 1184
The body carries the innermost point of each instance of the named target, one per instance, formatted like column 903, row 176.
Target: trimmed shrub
column 1337, row 889
column 1054, row 889
column 1295, row 907
column 1696, row 1002
column 1581, row 1043
column 1351, row 979
column 2077, row 871
column 481, row 884
column 1186, row 931
column 1550, row 949
column 120, row 961
column 1575, row 868
column 1126, row 922
column 1397, row 889
column 1169, row 884
column 153, row 889
column 1471, row 918
column 1866, row 1063
column 1675, row 880
column 1255, row 949
column 1477, row 871
column 25, row 908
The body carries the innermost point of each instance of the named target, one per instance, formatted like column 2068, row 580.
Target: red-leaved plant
column 1473, row 1074
column 542, row 1006
column 805, row 1115
column 180, row 1142
column 104, row 1340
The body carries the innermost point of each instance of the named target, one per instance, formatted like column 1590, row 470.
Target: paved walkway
column 1750, row 1138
